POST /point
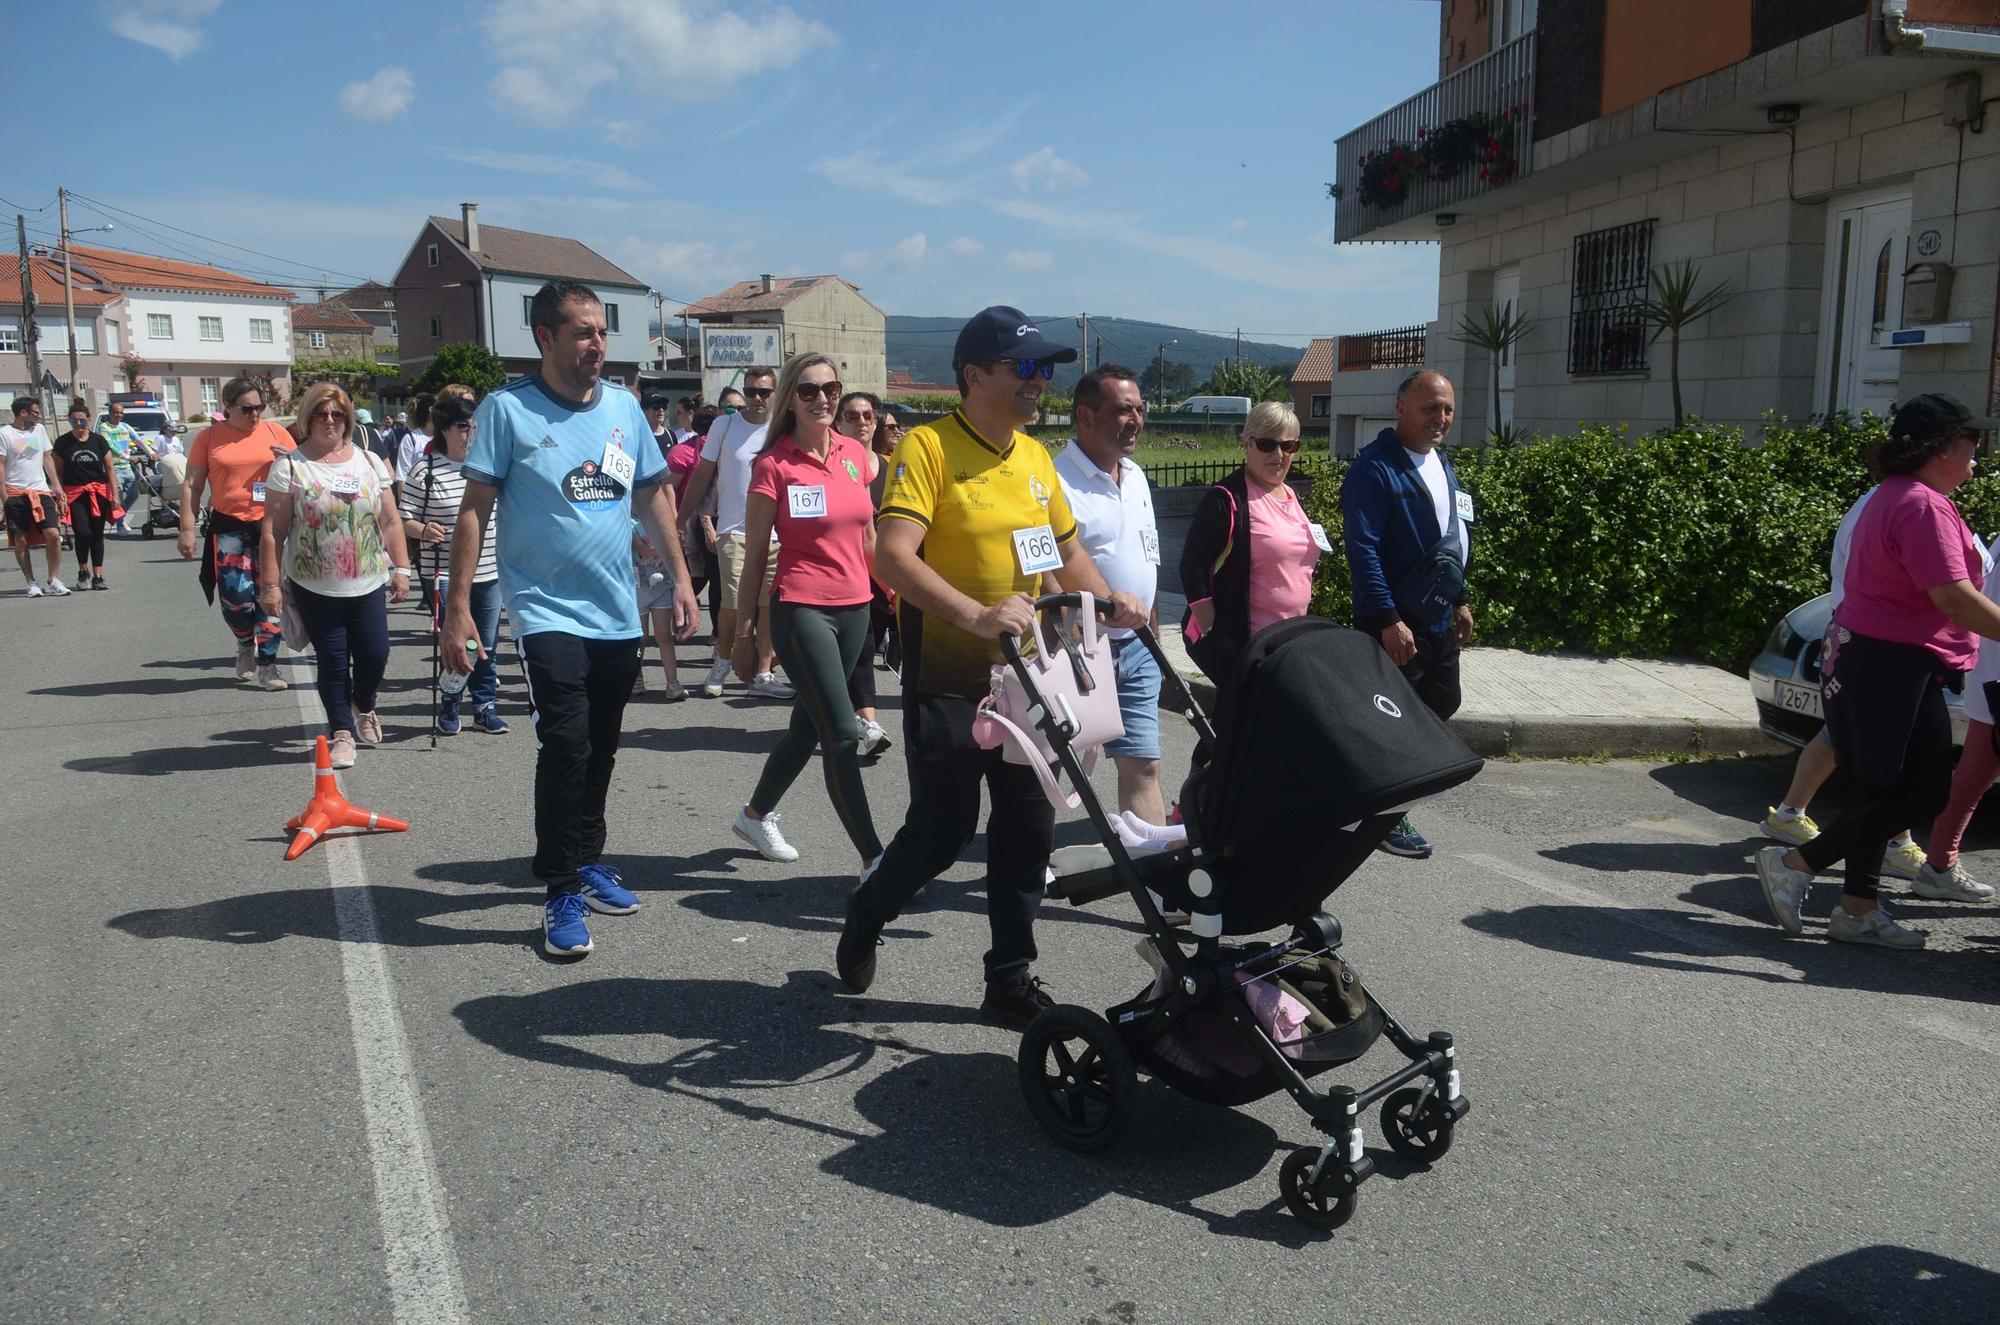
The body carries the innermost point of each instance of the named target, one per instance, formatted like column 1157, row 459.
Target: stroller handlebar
column 1010, row 645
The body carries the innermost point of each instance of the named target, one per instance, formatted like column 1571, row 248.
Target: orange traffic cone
column 328, row 809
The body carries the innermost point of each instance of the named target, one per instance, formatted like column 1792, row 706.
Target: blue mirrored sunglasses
column 1027, row 368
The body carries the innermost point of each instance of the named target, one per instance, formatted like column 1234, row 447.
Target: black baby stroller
column 1318, row 745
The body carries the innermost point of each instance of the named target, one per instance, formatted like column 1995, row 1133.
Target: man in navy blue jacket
column 1408, row 530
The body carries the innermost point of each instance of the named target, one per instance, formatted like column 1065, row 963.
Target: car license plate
column 1799, row 699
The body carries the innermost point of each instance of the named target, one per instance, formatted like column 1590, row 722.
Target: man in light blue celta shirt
column 570, row 462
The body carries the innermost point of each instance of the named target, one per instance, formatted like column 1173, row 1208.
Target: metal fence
column 1490, row 85
column 1401, row 347
column 1190, row 473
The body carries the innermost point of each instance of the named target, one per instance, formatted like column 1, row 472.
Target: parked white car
column 1784, row 678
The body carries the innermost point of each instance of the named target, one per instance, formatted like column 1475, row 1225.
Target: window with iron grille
column 1606, row 333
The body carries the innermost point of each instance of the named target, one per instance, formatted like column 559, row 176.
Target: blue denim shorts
column 1138, row 700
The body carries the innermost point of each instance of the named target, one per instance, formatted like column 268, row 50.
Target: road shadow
column 1672, row 940
column 672, row 737
column 139, row 687
column 946, row 1130
column 1703, row 860
column 1879, row 1285
column 404, row 918
column 257, row 747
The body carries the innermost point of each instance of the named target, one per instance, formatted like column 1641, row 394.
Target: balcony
column 1448, row 145
column 1400, row 348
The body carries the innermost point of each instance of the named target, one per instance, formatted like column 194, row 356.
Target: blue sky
column 1163, row 160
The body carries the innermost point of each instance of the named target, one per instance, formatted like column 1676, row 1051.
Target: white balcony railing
column 1495, row 90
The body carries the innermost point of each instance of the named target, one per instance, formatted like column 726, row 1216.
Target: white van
column 1214, row 405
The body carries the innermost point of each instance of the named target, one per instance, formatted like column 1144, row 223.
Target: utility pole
column 30, row 333
column 1239, row 349
column 1085, row 319
column 660, row 317
column 69, row 288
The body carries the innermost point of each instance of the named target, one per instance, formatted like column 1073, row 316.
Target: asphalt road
column 350, row 1088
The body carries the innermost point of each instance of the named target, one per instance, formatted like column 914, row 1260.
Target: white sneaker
column 766, row 685
column 1784, row 888
column 34, row 590
column 718, row 673
column 873, row 739
column 1904, row 861
column 268, row 677
column 1950, row 885
column 1876, row 928
column 763, row 835
column 56, row 588
column 246, row 662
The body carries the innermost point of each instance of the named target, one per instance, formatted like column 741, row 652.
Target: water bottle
column 453, row 683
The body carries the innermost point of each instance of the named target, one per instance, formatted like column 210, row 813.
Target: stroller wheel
column 1078, row 1077
column 147, row 529
column 1420, row 1136
column 1318, row 1205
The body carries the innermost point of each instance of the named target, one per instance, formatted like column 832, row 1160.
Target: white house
column 193, row 327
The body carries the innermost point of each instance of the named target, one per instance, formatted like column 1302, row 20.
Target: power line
column 308, row 267
column 32, row 211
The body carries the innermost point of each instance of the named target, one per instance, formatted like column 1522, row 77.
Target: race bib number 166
column 1036, row 551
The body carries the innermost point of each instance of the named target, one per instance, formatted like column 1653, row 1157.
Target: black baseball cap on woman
column 1000, row 332
column 1936, row 414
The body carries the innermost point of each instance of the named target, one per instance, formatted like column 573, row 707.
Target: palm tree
column 1496, row 330
column 1674, row 306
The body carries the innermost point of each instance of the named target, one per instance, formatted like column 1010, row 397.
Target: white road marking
column 1931, row 1023
column 425, row 1287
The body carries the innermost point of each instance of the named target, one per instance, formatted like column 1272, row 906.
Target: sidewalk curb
column 1498, row 736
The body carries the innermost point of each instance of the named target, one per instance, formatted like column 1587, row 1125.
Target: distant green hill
column 921, row 346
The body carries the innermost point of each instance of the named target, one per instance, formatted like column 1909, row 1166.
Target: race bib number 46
column 1036, row 551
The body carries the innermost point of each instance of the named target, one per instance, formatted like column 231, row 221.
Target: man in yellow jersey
column 972, row 517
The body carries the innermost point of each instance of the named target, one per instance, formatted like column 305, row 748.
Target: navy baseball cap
column 1000, row 332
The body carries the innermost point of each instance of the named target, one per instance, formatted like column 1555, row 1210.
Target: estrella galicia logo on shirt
column 588, row 485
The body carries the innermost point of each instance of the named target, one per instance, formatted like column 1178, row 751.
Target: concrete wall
column 1751, row 210
column 1363, row 404
column 234, row 351
column 833, row 320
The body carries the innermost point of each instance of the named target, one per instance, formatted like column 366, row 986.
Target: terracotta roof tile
column 751, row 297
column 328, row 316
column 525, row 253
column 49, row 286
column 143, row 271
column 1317, row 365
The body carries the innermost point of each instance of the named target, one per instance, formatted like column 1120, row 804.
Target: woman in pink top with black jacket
column 1908, row 626
column 809, row 486
column 1249, row 554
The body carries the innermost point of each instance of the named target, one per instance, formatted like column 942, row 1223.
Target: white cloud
column 627, row 134
column 903, row 255
column 688, row 269
column 381, row 98
column 551, row 167
column 1237, row 227
column 965, row 244
column 1030, row 259
column 707, row 50
column 172, row 27
column 1045, row 170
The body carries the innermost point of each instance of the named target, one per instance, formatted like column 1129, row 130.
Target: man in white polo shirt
column 1113, row 505
column 726, row 457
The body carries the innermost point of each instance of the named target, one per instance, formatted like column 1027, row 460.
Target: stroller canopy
column 1318, row 729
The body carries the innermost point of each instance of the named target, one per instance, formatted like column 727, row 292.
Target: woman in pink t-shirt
column 809, row 486
column 1908, row 624
column 1248, row 558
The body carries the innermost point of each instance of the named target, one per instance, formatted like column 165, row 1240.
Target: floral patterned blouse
column 335, row 545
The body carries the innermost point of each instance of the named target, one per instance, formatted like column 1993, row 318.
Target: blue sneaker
column 447, row 717
column 490, row 721
column 564, row 932
column 1404, row 840
column 604, row 891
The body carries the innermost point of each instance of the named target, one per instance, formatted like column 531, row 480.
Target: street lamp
column 1160, row 372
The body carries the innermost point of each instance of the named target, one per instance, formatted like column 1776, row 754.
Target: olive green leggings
column 819, row 646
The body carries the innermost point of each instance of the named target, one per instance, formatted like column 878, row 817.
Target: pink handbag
column 1086, row 705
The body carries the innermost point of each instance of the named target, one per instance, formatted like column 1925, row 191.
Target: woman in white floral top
column 332, row 531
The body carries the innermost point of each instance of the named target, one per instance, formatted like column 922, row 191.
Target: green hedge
column 1687, row 543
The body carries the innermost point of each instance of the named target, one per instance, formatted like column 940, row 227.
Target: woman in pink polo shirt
column 1908, row 625
column 810, row 485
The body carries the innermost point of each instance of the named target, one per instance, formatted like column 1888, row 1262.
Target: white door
column 1506, row 298
column 170, row 396
column 1867, row 252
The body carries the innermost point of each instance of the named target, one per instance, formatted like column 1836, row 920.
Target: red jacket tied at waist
column 101, row 500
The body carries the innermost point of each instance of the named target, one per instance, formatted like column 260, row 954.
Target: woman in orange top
column 230, row 460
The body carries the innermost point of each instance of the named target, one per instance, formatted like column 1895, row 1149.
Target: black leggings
column 88, row 523
column 817, row 646
column 350, row 639
column 1891, row 732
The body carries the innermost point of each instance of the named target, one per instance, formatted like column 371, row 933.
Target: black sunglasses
column 830, row 391
column 759, row 392
column 1270, row 444
column 251, row 409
